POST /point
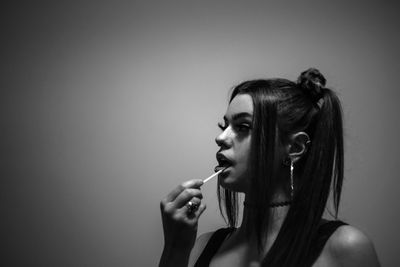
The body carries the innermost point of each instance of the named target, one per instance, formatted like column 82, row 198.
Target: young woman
column 282, row 146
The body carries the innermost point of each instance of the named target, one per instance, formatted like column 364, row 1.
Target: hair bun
column 312, row 82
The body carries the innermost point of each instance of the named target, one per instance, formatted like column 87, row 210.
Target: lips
column 223, row 162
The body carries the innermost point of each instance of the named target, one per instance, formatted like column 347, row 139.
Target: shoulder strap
column 325, row 231
column 212, row 246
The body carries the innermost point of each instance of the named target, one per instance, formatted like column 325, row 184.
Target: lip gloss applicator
column 213, row 175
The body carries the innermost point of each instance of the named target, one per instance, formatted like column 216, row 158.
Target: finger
column 191, row 213
column 196, row 201
column 194, row 215
column 185, row 196
column 200, row 210
column 192, row 206
column 196, row 183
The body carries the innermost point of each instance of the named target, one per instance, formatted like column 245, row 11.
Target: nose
column 223, row 140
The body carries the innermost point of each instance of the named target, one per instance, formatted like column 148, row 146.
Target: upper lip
column 223, row 160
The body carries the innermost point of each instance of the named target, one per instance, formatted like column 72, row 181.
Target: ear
column 298, row 145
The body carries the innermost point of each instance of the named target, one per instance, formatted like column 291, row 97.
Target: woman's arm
column 174, row 257
column 180, row 223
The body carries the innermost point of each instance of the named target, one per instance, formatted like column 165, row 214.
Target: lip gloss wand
column 212, row 176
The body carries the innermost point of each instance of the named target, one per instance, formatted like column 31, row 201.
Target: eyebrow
column 239, row 116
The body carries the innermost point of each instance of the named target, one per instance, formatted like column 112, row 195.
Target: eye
column 243, row 128
column 221, row 126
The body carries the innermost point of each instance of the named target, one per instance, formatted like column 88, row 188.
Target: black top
column 325, row 230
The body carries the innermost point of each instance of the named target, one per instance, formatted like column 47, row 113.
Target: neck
column 277, row 216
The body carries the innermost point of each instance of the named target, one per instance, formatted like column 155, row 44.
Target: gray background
column 106, row 106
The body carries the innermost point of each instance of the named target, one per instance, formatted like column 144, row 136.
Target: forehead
column 241, row 103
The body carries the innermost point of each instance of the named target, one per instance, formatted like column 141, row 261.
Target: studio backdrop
column 106, row 106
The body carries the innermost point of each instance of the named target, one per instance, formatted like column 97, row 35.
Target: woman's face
column 234, row 142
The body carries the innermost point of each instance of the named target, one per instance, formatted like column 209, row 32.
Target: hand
column 180, row 225
column 179, row 222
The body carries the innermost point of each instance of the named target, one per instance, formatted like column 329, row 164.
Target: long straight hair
column 280, row 108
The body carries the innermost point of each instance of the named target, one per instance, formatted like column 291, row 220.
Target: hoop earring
column 291, row 179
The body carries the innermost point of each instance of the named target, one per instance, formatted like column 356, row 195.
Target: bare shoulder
column 351, row 247
column 198, row 247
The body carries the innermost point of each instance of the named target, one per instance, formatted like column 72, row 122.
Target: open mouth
column 223, row 162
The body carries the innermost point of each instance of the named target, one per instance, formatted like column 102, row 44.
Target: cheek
column 245, row 150
column 243, row 156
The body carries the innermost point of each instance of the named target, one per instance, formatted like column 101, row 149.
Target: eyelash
column 240, row 127
column 221, row 126
column 243, row 128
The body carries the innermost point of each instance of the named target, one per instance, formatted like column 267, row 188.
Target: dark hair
column 282, row 107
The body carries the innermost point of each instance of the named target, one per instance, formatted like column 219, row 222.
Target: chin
column 232, row 184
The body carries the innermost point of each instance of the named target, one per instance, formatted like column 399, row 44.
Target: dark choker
column 271, row 205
